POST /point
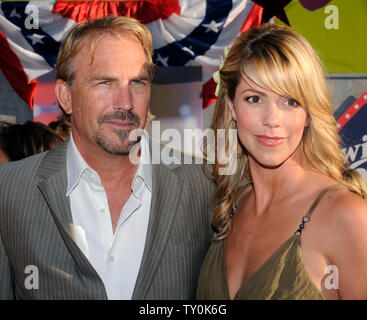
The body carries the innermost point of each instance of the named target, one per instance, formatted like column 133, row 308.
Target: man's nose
column 123, row 99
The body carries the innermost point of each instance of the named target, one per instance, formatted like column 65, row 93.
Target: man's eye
column 253, row 99
column 138, row 82
column 105, row 82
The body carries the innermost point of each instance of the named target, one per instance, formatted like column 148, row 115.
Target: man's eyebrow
column 102, row 77
column 142, row 76
column 145, row 77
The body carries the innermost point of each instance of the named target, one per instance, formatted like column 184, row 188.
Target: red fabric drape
column 145, row 11
column 12, row 68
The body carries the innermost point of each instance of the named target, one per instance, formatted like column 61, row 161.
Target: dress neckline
column 278, row 251
column 295, row 237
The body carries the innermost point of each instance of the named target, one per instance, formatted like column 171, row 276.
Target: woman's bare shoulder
column 340, row 216
column 346, row 240
column 346, row 208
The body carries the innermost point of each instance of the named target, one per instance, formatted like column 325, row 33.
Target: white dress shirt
column 115, row 257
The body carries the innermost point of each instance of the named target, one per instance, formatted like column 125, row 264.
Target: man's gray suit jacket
column 37, row 233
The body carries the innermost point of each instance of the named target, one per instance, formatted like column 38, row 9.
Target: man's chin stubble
column 112, row 148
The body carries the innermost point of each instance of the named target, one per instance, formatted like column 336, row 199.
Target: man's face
column 110, row 94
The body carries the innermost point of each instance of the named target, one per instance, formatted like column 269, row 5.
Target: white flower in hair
column 216, row 76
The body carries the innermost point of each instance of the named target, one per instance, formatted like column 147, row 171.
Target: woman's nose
column 272, row 115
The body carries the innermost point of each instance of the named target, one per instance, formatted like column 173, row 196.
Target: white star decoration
column 36, row 38
column 213, row 26
column 162, row 60
column 15, row 14
column 189, row 50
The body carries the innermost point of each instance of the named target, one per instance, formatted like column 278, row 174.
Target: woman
column 297, row 229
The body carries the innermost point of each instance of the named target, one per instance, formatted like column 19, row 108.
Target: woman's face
column 269, row 126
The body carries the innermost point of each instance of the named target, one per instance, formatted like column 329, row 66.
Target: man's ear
column 63, row 95
column 231, row 108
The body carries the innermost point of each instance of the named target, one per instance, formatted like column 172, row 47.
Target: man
column 83, row 221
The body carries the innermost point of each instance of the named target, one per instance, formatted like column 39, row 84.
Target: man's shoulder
column 193, row 172
column 54, row 158
column 183, row 162
column 17, row 171
column 29, row 162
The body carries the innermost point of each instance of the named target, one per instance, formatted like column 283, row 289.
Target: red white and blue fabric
column 351, row 123
column 185, row 33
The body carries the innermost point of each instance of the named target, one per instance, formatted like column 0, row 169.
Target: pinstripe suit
column 36, row 229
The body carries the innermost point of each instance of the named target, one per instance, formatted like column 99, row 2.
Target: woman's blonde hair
column 281, row 60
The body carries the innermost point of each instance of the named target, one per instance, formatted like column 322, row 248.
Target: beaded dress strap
column 234, row 207
column 306, row 218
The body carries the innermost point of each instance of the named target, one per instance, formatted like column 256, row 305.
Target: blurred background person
column 18, row 141
column 62, row 126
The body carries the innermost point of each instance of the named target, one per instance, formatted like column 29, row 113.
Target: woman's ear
column 307, row 121
column 63, row 95
column 231, row 108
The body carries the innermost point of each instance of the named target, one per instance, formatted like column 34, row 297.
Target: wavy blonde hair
column 281, row 60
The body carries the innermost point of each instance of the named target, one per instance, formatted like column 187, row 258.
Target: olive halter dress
column 282, row 276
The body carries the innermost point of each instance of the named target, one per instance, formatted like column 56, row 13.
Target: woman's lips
column 270, row 141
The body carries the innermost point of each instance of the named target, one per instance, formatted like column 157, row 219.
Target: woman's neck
column 276, row 185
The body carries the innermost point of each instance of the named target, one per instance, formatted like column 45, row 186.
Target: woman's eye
column 253, row 99
column 292, row 102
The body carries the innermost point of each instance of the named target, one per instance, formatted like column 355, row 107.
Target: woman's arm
column 348, row 248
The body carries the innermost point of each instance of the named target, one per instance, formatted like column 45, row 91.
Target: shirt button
column 103, row 211
column 111, row 259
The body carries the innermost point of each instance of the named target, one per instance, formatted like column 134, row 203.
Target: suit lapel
column 53, row 180
column 53, row 184
column 166, row 195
